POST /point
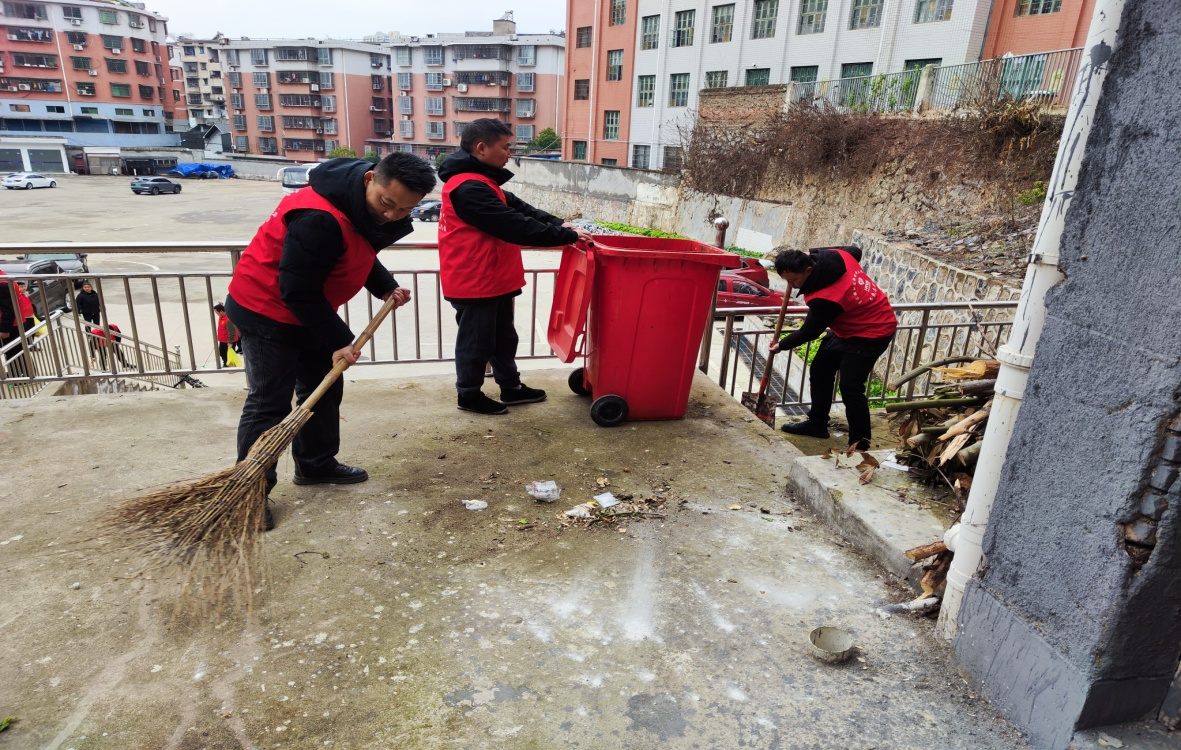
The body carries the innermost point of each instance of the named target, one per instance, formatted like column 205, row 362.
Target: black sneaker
column 268, row 520
column 807, row 428
column 522, row 394
column 339, row 474
column 481, row 404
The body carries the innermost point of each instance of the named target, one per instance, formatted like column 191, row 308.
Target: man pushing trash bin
column 481, row 230
column 861, row 325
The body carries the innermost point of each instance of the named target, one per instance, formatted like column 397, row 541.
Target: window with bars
column 758, row 77
column 866, row 14
column 432, row 55
column 405, row 81
column 142, row 68
column 232, row 57
column 76, row 37
column 406, row 129
column 615, row 65
column 137, row 45
column 147, row 92
column 618, row 12
column 261, row 80
column 525, row 81
column 856, row 70
column 299, row 100
column 135, row 21
column 804, row 73
column 678, row 90
column 717, row 79
column 85, row 89
column 611, row 125
column 524, row 133
column 405, row 105
column 812, row 14
column 582, row 37
column 765, row 14
column 242, row 143
column 402, row 56
column 124, row 112
column 526, row 107
column 434, row 105
column 237, row 101
column 239, row 122
column 17, row 34
column 921, row 63
column 579, row 150
column 31, row 11
column 641, row 156
column 115, row 66
column 328, row 126
column 682, row 31
column 327, row 79
column 266, row 123
column 108, row 17
column 258, row 57
column 582, row 89
column 436, row 130
column 645, row 91
column 328, row 103
column 300, row 123
column 1038, row 7
column 71, row 12
column 434, row 81
column 527, row 54
column 721, row 27
column 80, row 63
column 929, row 11
column 649, row 32
column 190, row 67
column 194, row 100
column 235, row 80
column 323, row 56
column 674, row 158
column 268, row 145
column 121, row 90
column 262, row 101
column 112, row 42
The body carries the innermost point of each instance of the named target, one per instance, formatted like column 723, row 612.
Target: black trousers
column 276, row 370
column 853, row 359
column 486, row 335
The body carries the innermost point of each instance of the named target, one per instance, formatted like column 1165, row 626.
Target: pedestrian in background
column 86, row 303
column 25, row 312
column 227, row 335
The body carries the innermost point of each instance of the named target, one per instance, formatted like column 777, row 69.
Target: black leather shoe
column 268, row 521
column 339, row 474
column 481, row 404
column 522, row 394
column 806, row 428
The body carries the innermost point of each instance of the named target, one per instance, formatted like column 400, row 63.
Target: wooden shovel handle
column 778, row 330
column 358, row 345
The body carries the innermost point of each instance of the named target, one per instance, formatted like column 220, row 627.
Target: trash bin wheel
column 608, row 411
column 578, row 383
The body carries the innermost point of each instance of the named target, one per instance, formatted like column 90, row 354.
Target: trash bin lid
column 664, row 248
column 572, row 293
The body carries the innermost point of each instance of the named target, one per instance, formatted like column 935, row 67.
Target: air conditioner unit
column 315, row 87
column 461, row 88
column 403, row 93
column 446, row 81
column 319, row 130
column 405, row 118
column 117, row 51
column 79, row 47
column 92, row 72
column 23, row 87
column 76, row 21
column 263, row 90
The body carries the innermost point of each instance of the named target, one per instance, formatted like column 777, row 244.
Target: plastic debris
column 544, row 492
column 586, row 510
column 606, row 500
column 474, row 504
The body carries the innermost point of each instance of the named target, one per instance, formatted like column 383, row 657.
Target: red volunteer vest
column 255, row 284
column 867, row 314
column 474, row 264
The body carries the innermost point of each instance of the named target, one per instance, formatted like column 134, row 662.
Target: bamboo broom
column 205, row 534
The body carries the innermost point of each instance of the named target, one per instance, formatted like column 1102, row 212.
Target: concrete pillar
column 1073, row 622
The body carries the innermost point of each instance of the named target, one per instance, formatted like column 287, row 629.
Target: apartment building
column 1024, row 27
column 204, row 79
column 444, row 81
column 636, row 65
column 90, row 75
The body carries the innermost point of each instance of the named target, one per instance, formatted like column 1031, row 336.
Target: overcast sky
column 351, row 19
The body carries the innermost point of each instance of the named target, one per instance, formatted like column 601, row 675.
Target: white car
column 28, row 181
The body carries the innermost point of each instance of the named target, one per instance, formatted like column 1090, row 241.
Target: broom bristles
column 205, row 534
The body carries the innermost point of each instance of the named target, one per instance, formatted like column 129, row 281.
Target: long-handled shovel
column 205, row 533
column 758, row 402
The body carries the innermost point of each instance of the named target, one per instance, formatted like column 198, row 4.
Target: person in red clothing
column 316, row 251
column 860, row 324
column 25, row 313
column 481, row 230
column 110, row 340
column 224, row 338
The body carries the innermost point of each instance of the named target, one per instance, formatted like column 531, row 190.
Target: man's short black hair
column 484, row 130
column 792, row 261
column 412, row 171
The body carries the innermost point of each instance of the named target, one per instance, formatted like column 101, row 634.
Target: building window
column 432, row 55
column 147, row 92
column 717, row 79
column 582, row 37
column 323, row 56
column 758, row 77
column 328, row 103
column 722, row 24
column 142, row 68
column 927, row 11
column 405, row 81
column 406, row 129
column 80, row 63
column 856, row 70
column 121, row 90
column 268, row 145
column 108, row 17
column 678, row 90
column 17, row 34
column 69, row 11
column 235, row 80
column 609, row 162
column 33, row 61
column 436, row 130
column 526, row 108
column 525, row 81
column 402, row 56
column 261, row 80
column 434, row 105
column 582, row 88
column 673, row 158
column 812, row 14
column 922, row 63
column 1037, row 7
column 579, row 150
column 640, row 156
column 76, row 37
column 434, row 81
column 137, row 45
column 112, row 42
column 649, row 32
column 405, row 105
column 262, row 101
column 645, row 91
column 85, row 89
column 682, row 35
column 116, row 66
column 618, row 12
column 19, row 108
column 237, row 101
column 867, row 14
column 231, row 57
column 54, row 109
column 805, row 73
column 30, row 11
column 258, row 57
column 766, row 11
column 327, row 80
column 266, row 123
column 524, row 133
column 611, row 125
column 239, row 122
column 615, row 65
column 242, row 143
column 527, row 54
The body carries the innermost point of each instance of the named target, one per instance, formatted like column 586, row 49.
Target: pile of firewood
column 941, row 436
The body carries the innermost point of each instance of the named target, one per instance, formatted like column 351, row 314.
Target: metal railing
column 926, row 332
column 890, row 92
column 1047, row 78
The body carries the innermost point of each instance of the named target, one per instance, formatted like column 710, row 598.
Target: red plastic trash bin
column 635, row 309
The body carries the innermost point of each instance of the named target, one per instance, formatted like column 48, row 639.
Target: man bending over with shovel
column 860, row 323
column 318, row 249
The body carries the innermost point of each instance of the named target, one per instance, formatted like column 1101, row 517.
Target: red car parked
column 753, row 270
column 735, row 290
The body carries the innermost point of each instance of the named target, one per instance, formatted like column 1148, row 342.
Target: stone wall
column 741, row 104
column 907, row 275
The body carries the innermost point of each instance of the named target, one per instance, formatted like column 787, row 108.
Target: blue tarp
column 224, row 171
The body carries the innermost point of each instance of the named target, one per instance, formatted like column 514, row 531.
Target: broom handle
column 343, row 364
column 771, row 355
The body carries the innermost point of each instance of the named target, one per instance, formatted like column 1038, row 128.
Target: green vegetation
column 371, row 157
column 1034, row 195
column 342, row 152
column 743, row 251
column 6, row 722
column 439, row 159
column 546, row 140
column 640, row 230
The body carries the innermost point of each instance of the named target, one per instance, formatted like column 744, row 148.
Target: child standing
column 481, row 230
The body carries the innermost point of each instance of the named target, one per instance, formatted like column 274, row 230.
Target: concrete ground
column 391, row 616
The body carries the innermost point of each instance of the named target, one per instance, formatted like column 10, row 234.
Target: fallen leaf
column 867, row 460
column 736, row 506
column 866, row 476
column 849, row 453
column 827, row 454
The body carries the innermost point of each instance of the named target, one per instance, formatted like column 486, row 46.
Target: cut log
column 935, row 403
column 976, row 387
column 969, row 455
column 957, row 443
column 925, row 551
column 965, row 424
column 981, row 369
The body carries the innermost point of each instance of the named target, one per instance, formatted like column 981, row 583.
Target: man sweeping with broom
column 317, row 250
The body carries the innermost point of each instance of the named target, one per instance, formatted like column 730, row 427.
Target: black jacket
column 828, row 269
column 311, row 249
column 516, row 222
column 8, row 321
column 88, row 306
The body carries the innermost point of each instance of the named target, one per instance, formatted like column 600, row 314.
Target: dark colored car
column 737, row 291
column 58, row 293
column 427, row 210
column 69, row 262
column 154, row 185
